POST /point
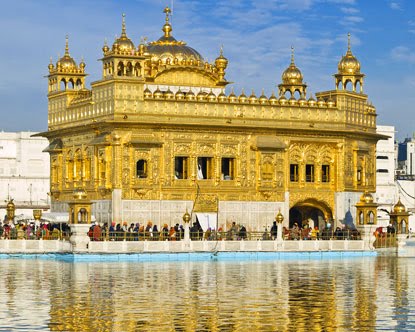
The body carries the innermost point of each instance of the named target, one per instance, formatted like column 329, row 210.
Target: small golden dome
column 253, row 98
column 167, row 47
column 66, row 62
column 292, row 75
column 222, row 97
column 211, row 96
column 123, row 44
column 399, row 207
column 147, row 93
column 201, row 96
column 232, row 97
column 321, row 102
column 292, row 100
column 283, row 100
column 50, row 66
column 242, row 97
column 263, row 99
column 312, row 102
column 302, row 101
column 169, row 94
column 158, row 94
column 179, row 95
column 273, row 100
column 349, row 65
column 190, row 95
column 105, row 48
column 366, row 197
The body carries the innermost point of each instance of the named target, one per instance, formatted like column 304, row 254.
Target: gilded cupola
column 66, row 74
column 399, row 207
column 292, row 80
column 168, row 49
column 349, row 76
column 123, row 43
column 66, row 62
column 349, row 65
column 292, row 75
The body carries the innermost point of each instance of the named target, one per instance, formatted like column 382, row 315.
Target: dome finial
column 348, row 42
column 292, row 55
column 167, row 11
column 167, row 26
column 123, row 29
column 67, row 45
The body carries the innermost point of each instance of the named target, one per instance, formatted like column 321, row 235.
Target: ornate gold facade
column 160, row 113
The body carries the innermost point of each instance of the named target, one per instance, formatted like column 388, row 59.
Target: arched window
column 62, row 85
column 361, row 221
column 129, row 69
column 120, row 69
column 348, row 85
column 141, row 168
column 371, row 218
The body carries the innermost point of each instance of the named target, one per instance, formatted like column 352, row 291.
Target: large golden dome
column 292, row 75
column 399, row 207
column 167, row 47
column 349, row 65
column 123, row 43
column 66, row 62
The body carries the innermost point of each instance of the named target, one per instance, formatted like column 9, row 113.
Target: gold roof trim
column 145, row 140
column 269, row 143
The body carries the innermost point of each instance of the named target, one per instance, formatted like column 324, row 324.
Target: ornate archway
column 307, row 209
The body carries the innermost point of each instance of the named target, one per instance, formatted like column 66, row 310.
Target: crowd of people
column 30, row 230
column 150, row 232
column 308, row 232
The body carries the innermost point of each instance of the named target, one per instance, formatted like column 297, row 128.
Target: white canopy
column 207, row 220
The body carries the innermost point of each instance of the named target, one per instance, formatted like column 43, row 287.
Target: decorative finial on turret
column 67, row 45
column 348, row 42
column 292, row 54
column 167, row 11
column 167, row 26
column 221, row 50
column 123, row 29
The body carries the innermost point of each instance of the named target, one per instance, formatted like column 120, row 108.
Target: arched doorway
column 313, row 209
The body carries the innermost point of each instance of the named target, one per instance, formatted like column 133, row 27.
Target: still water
column 336, row 294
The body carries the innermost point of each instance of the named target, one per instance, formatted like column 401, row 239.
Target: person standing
column 274, row 230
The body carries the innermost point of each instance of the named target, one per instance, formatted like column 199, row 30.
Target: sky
column 256, row 35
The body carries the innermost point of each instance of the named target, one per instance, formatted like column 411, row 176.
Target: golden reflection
column 358, row 294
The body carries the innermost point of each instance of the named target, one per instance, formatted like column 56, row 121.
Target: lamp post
column 279, row 218
column 186, row 219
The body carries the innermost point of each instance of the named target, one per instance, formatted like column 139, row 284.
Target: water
column 336, row 294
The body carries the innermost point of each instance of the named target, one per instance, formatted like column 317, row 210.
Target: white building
column 24, row 172
column 386, row 190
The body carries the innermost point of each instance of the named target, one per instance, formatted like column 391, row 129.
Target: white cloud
column 403, row 53
column 349, row 10
column 395, row 6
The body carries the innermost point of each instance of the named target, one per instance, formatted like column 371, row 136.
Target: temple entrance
column 310, row 212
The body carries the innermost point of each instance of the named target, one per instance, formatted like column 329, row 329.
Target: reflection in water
column 357, row 294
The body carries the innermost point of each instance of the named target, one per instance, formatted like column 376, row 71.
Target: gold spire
column 123, row 29
column 67, row 45
column 348, row 42
column 167, row 26
column 292, row 55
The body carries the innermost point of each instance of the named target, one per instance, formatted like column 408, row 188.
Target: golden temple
column 158, row 134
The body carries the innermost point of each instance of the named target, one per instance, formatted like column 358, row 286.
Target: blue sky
column 256, row 35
